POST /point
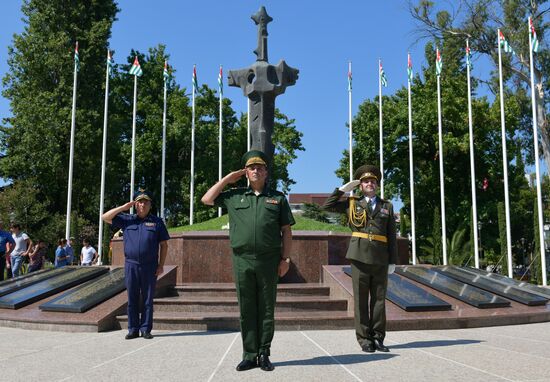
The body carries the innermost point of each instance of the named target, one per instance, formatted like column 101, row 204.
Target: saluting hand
column 234, row 176
column 128, row 205
column 349, row 186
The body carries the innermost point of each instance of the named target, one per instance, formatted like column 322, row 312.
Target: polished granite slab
column 469, row 294
column 509, row 291
column 12, row 285
column 408, row 296
column 541, row 291
column 89, row 294
column 50, row 286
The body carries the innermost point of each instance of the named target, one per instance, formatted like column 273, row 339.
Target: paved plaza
column 509, row 353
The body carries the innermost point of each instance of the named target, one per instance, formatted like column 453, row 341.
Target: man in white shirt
column 23, row 245
column 88, row 254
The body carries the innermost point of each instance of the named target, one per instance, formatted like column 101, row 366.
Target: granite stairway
column 214, row 307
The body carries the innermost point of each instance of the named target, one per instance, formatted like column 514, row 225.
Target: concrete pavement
column 509, row 353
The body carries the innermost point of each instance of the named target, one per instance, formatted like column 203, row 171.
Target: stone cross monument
column 261, row 83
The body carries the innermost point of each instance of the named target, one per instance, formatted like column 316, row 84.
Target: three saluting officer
column 261, row 239
column 372, row 252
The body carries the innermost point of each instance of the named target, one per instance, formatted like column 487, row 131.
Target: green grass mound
column 302, row 224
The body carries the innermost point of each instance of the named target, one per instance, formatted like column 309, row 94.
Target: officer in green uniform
column 372, row 252
column 261, row 239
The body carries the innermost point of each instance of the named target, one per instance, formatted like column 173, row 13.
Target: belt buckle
column 370, row 236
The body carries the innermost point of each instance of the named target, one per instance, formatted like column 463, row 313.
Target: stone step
column 318, row 320
column 230, row 304
column 228, row 289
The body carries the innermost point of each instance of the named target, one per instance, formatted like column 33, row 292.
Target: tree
column 479, row 20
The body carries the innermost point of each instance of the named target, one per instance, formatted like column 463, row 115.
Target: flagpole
column 192, row 191
column 537, row 166
column 103, row 161
column 350, row 126
column 71, row 150
column 163, row 173
column 220, row 132
column 472, row 164
column 381, row 144
column 133, row 163
column 504, row 162
column 411, row 167
column 441, row 174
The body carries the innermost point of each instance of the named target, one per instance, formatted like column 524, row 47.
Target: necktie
column 369, row 206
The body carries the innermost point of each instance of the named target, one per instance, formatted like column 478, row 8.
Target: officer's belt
column 370, row 236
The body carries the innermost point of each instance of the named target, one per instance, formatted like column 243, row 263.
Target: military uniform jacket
column 380, row 222
column 255, row 221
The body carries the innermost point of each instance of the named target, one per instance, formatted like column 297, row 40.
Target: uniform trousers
column 370, row 282
column 256, row 284
column 140, row 284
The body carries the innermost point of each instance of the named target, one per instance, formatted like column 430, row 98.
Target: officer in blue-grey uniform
column 143, row 234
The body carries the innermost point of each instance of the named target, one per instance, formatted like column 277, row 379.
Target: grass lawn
column 302, row 224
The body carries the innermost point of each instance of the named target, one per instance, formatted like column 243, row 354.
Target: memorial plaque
column 12, row 285
column 544, row 292
column 508, row 291
column 89, row 294
column 50, row 286
column 454, row 288
column 410, row 297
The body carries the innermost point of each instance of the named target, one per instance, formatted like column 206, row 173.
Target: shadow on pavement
column 433, row 344
column 191, row 333
column 344, row 359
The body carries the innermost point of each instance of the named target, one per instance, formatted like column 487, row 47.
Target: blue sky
column 318, row 38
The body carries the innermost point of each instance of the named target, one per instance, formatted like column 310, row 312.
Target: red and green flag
column 383, row 78
column 195, row 83
column 76, row 57
column 110, row 62
column 468, row 57
column 349, row 80
column 409, row 68
column 534, row 39
column 135, row 70
column 165, row 73
column 504, row 44
column 220, row 81
column 438, row 63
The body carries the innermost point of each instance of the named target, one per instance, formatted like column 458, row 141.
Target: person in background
column 23, row 245
column 37, row 257
column 69, row 251
column 88, row 254
column 6, row 246
column 60, row 254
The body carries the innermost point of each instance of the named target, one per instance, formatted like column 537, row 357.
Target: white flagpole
column 133, row 164
column 411, row 171
column 220, row 134
column 537, row 167
column 103, row 162
column 441, row 174
column 163, row 173
column 472, row 164
column 350, row 126
column 192, row 192
column 71, row 153
column 504, row 162
column 381, row 144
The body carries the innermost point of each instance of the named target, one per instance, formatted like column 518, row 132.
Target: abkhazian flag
column 438, row 63
column 534, row 39
column 110, row 62
column 383, row 78
column 409, row 68
column 349, row 81
column 504, row 44
column 76, row 57
column 135, row 70
column 220, row 81
column 165, row 74
column 195, row 83
column 468, row 59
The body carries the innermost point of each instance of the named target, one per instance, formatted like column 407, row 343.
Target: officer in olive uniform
column 143, row 235
column 261, row 238
column 372, row 252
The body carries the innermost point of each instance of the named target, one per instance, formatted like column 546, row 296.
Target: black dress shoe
column 264, row 363
column 131, row 336
column 147, row 335
column 246, row 365
column 380, row 346
column 368, row 347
